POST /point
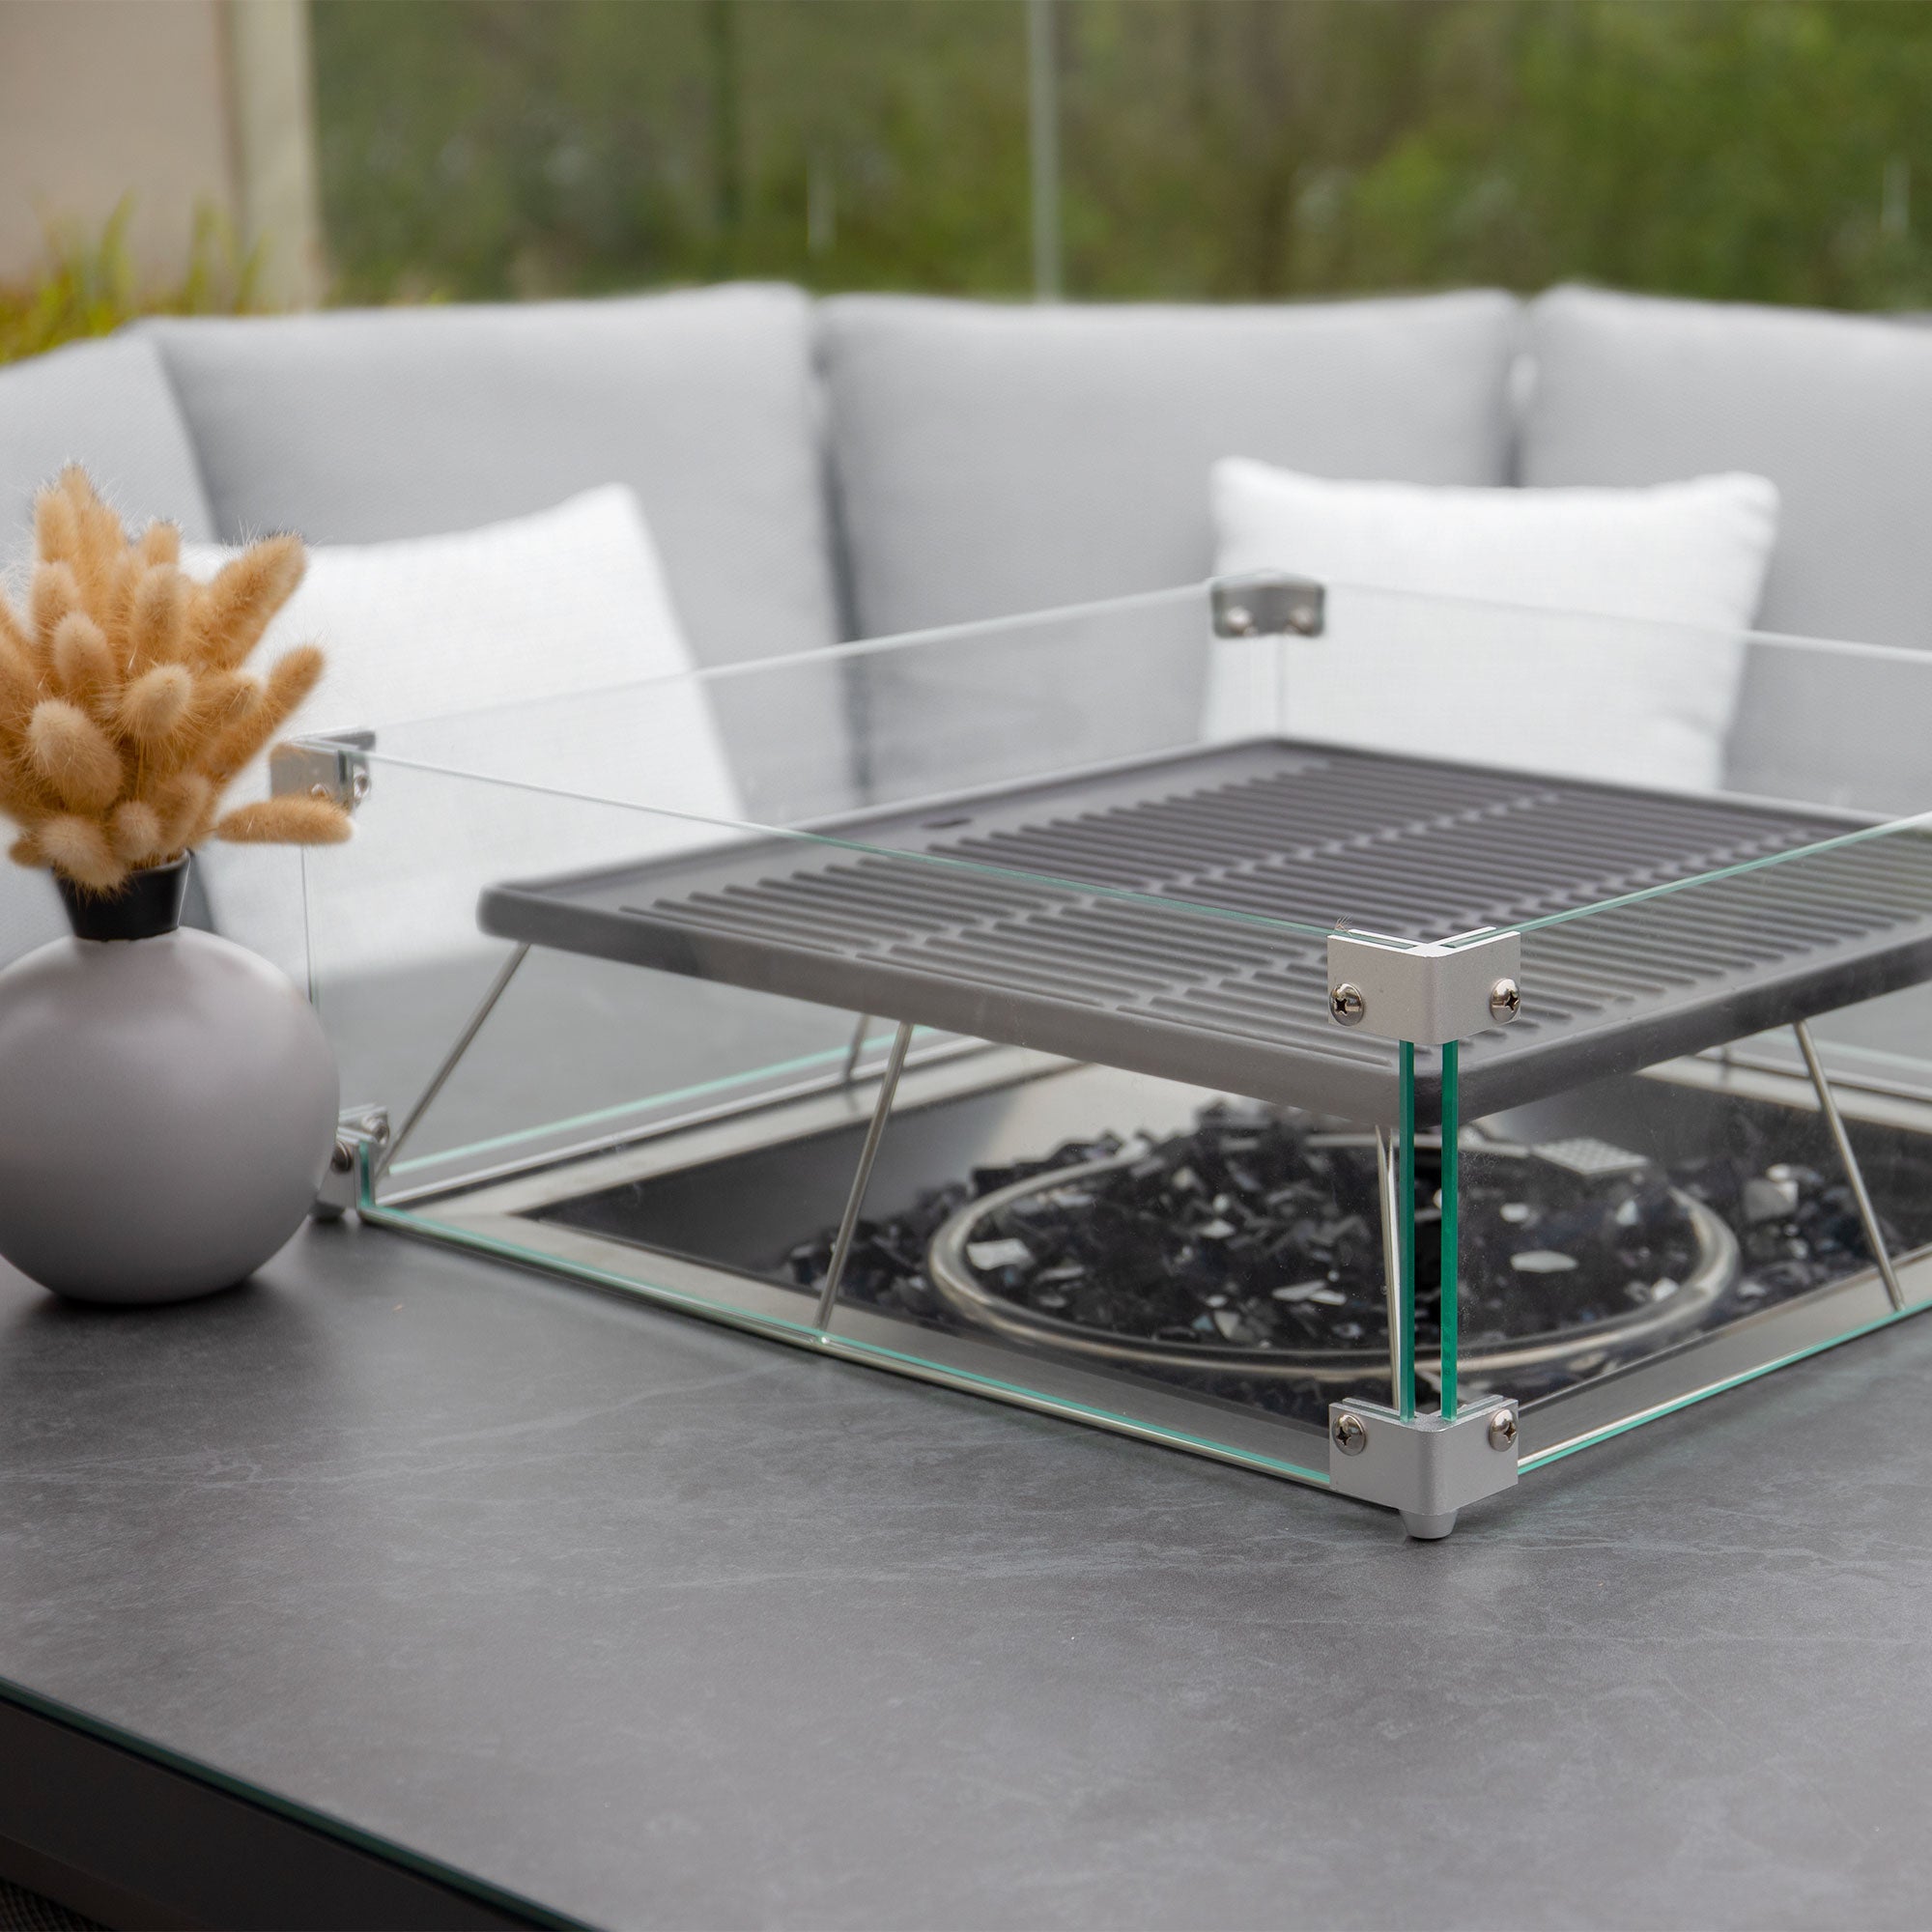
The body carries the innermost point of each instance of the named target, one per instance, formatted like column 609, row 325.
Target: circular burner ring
column 958, row 1286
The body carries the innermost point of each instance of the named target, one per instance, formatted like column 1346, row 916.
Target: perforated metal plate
column 1015, row 918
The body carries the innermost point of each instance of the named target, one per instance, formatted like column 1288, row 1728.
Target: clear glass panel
column 696, row 1139
column 1642, row 1225
column 1087, row 866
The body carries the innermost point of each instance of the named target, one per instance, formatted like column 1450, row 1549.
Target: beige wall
column 179, row 101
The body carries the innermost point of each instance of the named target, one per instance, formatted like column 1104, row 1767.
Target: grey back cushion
column 106, row 404
column 357, row 426
column 992, row 459
column 1837, row 411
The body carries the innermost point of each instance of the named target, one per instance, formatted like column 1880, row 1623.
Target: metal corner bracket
column 335, row 767
column 1267, row 604
column 1427, row 1466
column 361, row 1135
column 1426, row 994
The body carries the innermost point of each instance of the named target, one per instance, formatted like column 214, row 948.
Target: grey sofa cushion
column 106, row 404
column 356, row 426
column 992, row 460
column 1837, row 411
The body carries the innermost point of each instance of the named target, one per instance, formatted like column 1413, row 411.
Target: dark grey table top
column 659, row 1625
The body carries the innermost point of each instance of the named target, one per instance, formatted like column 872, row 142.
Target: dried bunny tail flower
column 83, row 666
column 185, row 801
column 21, row 688
column 285, row 821
column 102, row 541
column 136, row 831
column 74, row 755
column 221, row 700
column 157, row 617
column 232, row 613
column 53, row 594
column 294, row 676
column 117, row 601
column 79, row 848
column 160, row 542
column 56, row 526
column 25, row 850
column 152, row 707
column 23, row 797
column 14, row 636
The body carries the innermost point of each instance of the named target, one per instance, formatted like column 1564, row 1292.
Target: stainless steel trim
column 335, row 768
column 1267, row 604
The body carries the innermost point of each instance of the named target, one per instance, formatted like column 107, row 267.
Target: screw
column 343, row 1158
column 1502, row 1429
column 1238, row 620
column 1505, row 1001
column 1350, row 1432
column 1345, row 1005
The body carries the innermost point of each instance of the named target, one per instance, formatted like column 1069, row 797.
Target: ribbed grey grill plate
column 1009, row 918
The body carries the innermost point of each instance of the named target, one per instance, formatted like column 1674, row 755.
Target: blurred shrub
column 1759, row 150
column 91, row 286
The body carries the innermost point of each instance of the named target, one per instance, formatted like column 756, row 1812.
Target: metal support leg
column 852, row 1052
column 870, row 1153
column 1387, row 1186
column 475, row 1025
column 1867, row 1215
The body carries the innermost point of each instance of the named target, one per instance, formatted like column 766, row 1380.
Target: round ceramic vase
column 167, row 1103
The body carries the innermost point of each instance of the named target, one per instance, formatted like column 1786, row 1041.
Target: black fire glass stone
column 1169, row 917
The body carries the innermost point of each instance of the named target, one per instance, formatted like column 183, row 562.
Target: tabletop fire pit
column 1377, row 1120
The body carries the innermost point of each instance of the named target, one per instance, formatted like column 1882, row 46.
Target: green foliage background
column 1763, row 150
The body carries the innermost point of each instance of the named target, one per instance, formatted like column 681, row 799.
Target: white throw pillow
column 494, row 630
column 1641, row 689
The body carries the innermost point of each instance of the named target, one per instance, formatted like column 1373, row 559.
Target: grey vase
column 167, row 1103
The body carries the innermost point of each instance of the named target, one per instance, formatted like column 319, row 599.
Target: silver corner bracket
column 335, row 767
column 361, row 1135
column 1425, row 994
column 1267, row 604
column 1427, row 1468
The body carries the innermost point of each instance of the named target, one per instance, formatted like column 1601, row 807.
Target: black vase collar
column 147, row 906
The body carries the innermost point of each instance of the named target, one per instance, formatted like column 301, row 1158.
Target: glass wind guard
column 1661, row 1226
column 961, row 1003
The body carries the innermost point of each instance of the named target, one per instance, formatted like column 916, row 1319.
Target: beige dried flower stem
column 54, row 591
column 83, row 665
column 154, row 706
column 73, row 756
column 79, row 847
column 135, row 832
column 275, row 821
column 233, row 610
column 158, row 618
